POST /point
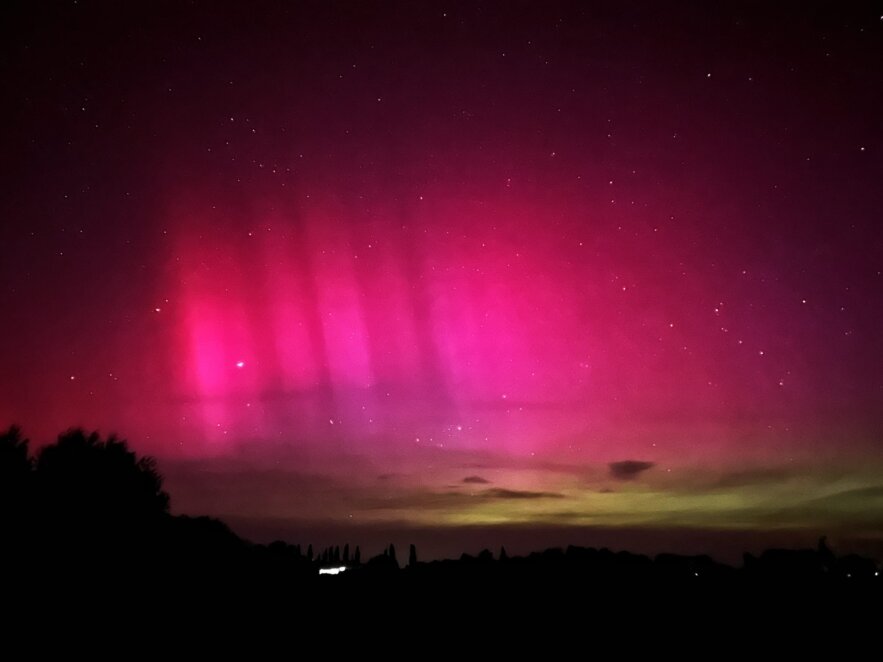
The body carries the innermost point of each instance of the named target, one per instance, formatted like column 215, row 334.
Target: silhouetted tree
column 15, row 474
column 346, row 554
column 412, row 556
column 357, row 558
column 309, row 552
column 16, row 482
column 96, row 490
column 391, row 552
column 503, row 555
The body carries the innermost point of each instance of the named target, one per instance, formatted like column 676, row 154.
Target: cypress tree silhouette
column 392, row 554
column 503, row 555
column 309, row 552
column 412, row 556
column 346, row 554
column 357, row 558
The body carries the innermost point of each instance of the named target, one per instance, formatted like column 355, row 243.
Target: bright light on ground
column 332, row 571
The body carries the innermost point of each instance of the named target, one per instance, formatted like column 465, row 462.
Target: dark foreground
column 214, row 585
column 193, row 557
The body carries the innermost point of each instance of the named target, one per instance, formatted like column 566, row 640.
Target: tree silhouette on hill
column 89, row 506
column 83, row 479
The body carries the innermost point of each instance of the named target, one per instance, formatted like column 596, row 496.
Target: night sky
column 456, row 272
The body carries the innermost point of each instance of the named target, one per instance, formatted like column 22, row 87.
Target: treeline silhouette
column 87, row 510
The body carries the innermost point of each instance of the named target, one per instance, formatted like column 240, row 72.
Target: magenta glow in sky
column 503, row 264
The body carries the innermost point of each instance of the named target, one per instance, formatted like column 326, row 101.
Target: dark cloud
column 476, row 480
column 501, row 493
column 629, row 469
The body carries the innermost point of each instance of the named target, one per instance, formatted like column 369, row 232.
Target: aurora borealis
column 564, row 269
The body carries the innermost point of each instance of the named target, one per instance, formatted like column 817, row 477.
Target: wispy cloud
column 755, row 476
column 501, row 493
